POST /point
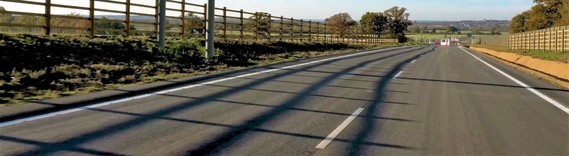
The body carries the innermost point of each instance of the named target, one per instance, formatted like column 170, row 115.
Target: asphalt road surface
column 399, row 101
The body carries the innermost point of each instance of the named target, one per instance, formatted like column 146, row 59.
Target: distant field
column 433, row 36
column 438, row 36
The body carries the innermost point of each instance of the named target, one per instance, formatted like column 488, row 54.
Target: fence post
column 282, row 29
column 343, row 36
column 513, row 42
column 210, row 29
column 47, row 17
column 544, row 39
column 156, row 17
column 318, row 31
column 524, row 41
column 92, row 17
column 183, row 22
column 162, row 24
column 205, row 20
column 127, row 18
column 242, row 25
column 225, row 23
column 270, row 28
column 509, row 42
column 558, row 39
column 325, row 33
column 563, row 36
column 530, row 40
column 550, row 40
column 256, row 26
column 292, row 29
column 375, row 39
column 369, row 39
column 301, row 30
column 310, row 31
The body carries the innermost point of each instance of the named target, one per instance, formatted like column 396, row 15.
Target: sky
column 435, row 10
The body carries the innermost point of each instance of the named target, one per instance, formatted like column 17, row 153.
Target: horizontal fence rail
column 552, row 39
column 140, row 18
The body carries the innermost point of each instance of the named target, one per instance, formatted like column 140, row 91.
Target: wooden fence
column 184, row 20
column 552, row 39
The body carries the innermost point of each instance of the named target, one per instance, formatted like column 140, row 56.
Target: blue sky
column 419, row 9
column 320, row 9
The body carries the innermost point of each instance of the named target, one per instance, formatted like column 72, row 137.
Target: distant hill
column 484, row 25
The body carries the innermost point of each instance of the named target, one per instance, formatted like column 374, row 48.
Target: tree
column 544, row 14
column 551, row 10
column 398, row 22
column 373, row 22
column 193, row 24
column 538, row 18
column 434, row 30
column 451, row 29
column 108, row 24
column 259, row 23
column 564, row 11
column 341, row 23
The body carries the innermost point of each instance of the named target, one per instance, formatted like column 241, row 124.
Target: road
column 399, row 101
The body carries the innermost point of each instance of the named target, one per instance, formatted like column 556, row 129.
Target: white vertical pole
column 210, row 28
column 162, row 24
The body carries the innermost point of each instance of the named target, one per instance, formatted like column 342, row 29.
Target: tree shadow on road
column 229, row 137
column 225, row 139
column 358, row 145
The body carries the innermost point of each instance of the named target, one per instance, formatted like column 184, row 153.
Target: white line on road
column 541, row 95
column 413, row 61
column 339, row 129
column 398, row 74
column 96, row 105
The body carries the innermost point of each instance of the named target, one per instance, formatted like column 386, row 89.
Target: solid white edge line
column 413, row 61
column 398, row 74
column 541, row 95
column 96, row 105
column 339, row 129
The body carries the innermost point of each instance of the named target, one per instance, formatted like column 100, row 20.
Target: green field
column 436, row 36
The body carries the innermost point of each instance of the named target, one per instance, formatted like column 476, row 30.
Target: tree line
column 544, row 14
column 391, row 23
column 103, row 22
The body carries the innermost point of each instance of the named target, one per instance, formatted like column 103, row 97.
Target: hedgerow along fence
column 139, row 18
column 552, row 39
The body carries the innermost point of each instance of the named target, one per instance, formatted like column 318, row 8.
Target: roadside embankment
column 551, row 71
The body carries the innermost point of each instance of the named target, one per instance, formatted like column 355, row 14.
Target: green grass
column 539, row 54
column 433, row 36
column 440, row 36
column 42, row 67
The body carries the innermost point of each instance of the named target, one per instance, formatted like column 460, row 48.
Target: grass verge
column 47, row 67
column 539, row 54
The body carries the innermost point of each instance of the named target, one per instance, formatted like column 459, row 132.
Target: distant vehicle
column 445, row 42
column 449, row 42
